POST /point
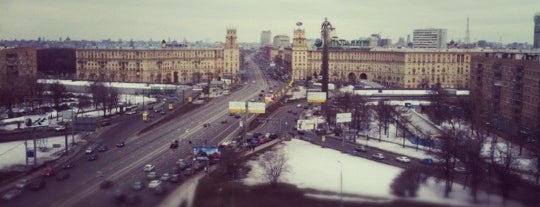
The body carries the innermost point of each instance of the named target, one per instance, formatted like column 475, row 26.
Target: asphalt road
column 124, row 165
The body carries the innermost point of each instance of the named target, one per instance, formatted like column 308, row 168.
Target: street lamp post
column 340, row 183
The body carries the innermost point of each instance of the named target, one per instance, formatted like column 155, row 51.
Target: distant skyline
column 206, row 20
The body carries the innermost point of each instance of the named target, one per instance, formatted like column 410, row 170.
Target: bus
column 131, row 109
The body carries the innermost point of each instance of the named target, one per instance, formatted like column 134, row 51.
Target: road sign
column 343, row 117
column 256, row 107
column 316, row 97
column 237, row 107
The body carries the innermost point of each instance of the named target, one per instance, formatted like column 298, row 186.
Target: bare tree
column 103, row 96
column 471, row 156
column 384, row 116
column 407, row 183
column 448, row 151
column 58, row 92
column 274, row 164
column 503, row 170
column 84, row 102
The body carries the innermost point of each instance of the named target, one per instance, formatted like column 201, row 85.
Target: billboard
column 211, row 152
column 316, row 97
column 237, row 107
column 256, row 107
column 343, row 117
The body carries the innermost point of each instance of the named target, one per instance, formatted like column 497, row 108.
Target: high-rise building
column 429, row 38
column 282, row 41
column 507, row 87
column 266, row 38
column 18, row 62
column 536, row 30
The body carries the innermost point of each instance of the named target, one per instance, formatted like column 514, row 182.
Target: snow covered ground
column 13, row 154
column 368, row 179
column 51, row 120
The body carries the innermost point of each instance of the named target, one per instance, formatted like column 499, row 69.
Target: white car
column 403, row 159
column 149, row 167
column 154, row 184
column 379, row 156
column 165, row 177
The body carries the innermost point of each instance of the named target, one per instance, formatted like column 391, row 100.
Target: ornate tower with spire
column 299, row 54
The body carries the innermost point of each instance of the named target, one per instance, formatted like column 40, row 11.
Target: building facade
column 536, row 43
column 18, row 62
column 266, row 38
column 396, row 69
column 282, row 41
column 429, row 38
column 160, row 65
column 507, row 86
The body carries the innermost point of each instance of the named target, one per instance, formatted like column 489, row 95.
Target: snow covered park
column 363, row 180
column 12, row 154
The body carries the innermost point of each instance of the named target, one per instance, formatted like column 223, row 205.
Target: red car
column 48, row 171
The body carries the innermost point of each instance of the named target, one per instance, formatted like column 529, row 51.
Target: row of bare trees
column 28, row 91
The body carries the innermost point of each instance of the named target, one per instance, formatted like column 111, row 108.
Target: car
column 22, row 183
column 48, row 171
column 37, row 184
column 59, row 128
column 137, row 185
column 237, row 116
column 175, row 178
column 119, row 197
column 160, row 190
column 12, row 194
column 103, row 148
column 403, row 159
column 360, row 148
column 206, row 125
column 151, row 175
column 197, row 166
column 188, row 172
column 299, row 106
column 149, row 167
column 253, row 100
column 133, row 199
column 174, row 144
column 379, row 156
column 224, row 121
column 165, row 177
column 289, row 111
column 62, row 175
column 106, row 184
column 105, row 123
column 68, row 166
column 460, row 169
column 91, row 157
column 121, row 144
column 182, row 164
column 154, row 183
column 426, row 161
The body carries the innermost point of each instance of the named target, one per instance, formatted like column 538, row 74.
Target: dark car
column 106, row 184
column 237, row 116
column 37, row 184
column 91, row 157
column 224, row 121
column 426, row 161
column 137, row 185
column 119, row 197
column 160, row 190
column 103, row 148
column 68, row 166
column 121, row 144
column 133, row 199
column 206, row 125
column 360, row 148
column 174, row 144
column 188, row 172
column 12, row 194
column 62, row 175
column 175, row 178
column 105, row 123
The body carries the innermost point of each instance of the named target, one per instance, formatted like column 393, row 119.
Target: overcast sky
column 492, row 20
